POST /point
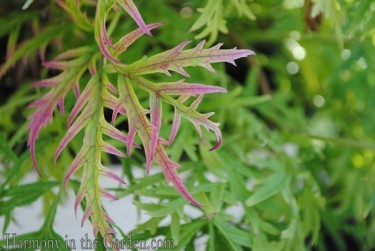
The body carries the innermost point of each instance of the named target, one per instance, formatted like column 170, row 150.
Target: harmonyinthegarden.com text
column 85, row 243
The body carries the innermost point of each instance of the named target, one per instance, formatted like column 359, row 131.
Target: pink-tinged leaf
column 76, row 90
column 105, row 147
column 117, row 108
column 50, row 82
column 132, row 10
column 177, row 58
column 196, row 102
column 101, row 31
column 61, row 106
column 137, row 119
column 163, row 141
column 169, row 170
column 109, row 218
column 40, row 118
column 77, row 201
column 219, row 142
column 106, row 39
column 189, row 113
column 113, row 132
column 92, row 68
column 175, row 126
column 106, row 53
column 115, row 105
column 87, row 213
column 124, row 43
column 155, row 115
column 57, row 65
column 199, row 119
column 76, row 164
column 108, row 173
column 115, row 7
column 181, row 88
column 111, row 88
column 130, row 142
column 73, row 53
column 108, row 195
column 61, row 85
column 81, row 101
column 82, row 120
column 148, row 148
column 198, row 128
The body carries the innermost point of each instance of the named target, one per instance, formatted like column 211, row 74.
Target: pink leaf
column 169, row 169
column 112, row 175
column 76, row 90
column 77, row 201
column 181, row 88
column 177, row 58
column 81, row 101
column 155, row 115
column 175, row 126
column 123, row 44
column 82, row 120
column 86, row 215
column 108, row 195
column 76, row 164
column 105, row 147
column 132, row 10
column 58, row 65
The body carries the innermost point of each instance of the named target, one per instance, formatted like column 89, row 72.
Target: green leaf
column 272, row 186
column 175, row 227
column 234, row 236
column 188, row 231
column 7, row 150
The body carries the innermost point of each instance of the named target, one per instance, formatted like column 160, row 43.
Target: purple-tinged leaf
column 108, row 173
column 76, row 90
column 105, row 147
column 177, row 58
column 73, row 53
column 81, row 101
column 155, row 116
column 39, row 119
column 175, row 126
column 132, row 10
column 182, row 88
column 78, row 200
column 189, row 113
column 109, row 218
column 106, row 53
column 61, row 106
column 81, row 121
column 123, row 44
column 61, row 85
column 138, row 120
column 111, row 88
column 196, row 102
column 114, row 133
column 170, row 173
column 131, row 135
column 57, row 65
column 115, row 105
column 101, row 35
column 87, row 213
column 76, row 164
column 110, row 196
column 50, row 82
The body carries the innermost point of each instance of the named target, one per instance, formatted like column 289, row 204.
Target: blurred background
column 296, row 170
